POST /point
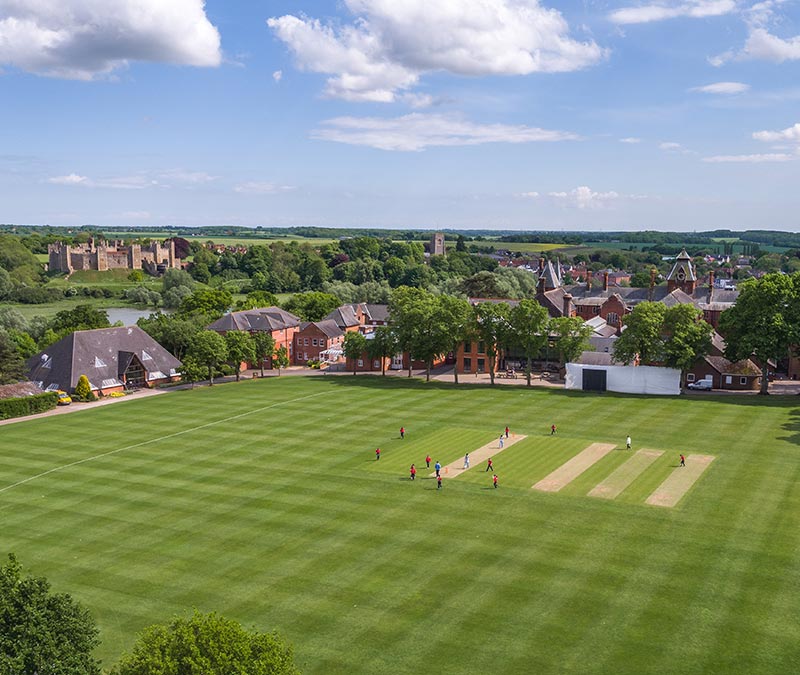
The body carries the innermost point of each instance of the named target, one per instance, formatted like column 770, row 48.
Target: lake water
column 128, row 315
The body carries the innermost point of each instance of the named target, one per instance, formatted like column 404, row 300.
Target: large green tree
column 311, row 306
column 382, row 345
column 41, row 632
column 240, row 349
column 263, row 348
column 12, row 367
column 206, row 644
column 83, row 317
column 355, row 344
column 763, row 322
column 490, row 324
column 418, row 324
column 454, row 320
column 571, row 336
column 209, row 349
column 643, row 335
column 210, row 301
column 528, row 331
column 687, row 337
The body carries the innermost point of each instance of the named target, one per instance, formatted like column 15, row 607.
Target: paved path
column 624, row 475
column 679, row 481
column 574, row 467
column 478, row 457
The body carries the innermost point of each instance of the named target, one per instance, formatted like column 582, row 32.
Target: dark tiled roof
column 377, row 312
column 597, row 359
column 98, row 354
column 18, row 390
column 723, row 365
column 344, row 317
column 325, row 326
column 264, row 319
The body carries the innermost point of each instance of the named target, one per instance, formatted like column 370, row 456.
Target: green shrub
column 83, row 390
column 27, row 405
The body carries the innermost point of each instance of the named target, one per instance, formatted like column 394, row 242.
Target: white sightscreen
column 630, row 379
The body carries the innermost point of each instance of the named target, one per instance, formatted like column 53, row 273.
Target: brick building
column 314, row 337
column 279, row 323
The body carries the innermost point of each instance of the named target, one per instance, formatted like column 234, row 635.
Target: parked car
column 703, row 385
column 63, row 398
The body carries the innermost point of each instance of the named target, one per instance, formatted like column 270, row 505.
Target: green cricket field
column 263, row 501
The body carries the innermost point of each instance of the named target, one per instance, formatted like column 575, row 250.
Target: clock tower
column 682, row 275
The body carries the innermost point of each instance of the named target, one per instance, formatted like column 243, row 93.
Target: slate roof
column 18, row 390
column 723, row 365
column 326, row 326
column 550, row 276
column 376, row 312
column 721, row 299
column 345, row 317
column 100, row 355
column 266, row 319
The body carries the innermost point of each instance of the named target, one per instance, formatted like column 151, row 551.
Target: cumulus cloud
column 751, row 159
column 630, row 140
column 670, row 146
column 792, row 135
column 277, row 75
column 582, row 197
column 84, row 39
column 418, row 131
column 725, row 88
column 761, row 44
column 137, row 182
column 390, row 45
column 660, row 11
column 261, row 188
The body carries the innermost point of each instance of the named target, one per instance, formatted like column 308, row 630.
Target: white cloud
column 792, row 134
column 187, row 177
column 670, row 10
column 277, row 75
column 728, row 88
column 630, row 140
column 138, row 182
column 84, row 39
column 584, row 197
column 670, row 147
column 69, row 179
column 418, row 131
column 752, row 159
column 391, row 44
column 261, row 188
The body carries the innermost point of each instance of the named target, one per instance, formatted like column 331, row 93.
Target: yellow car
column 63, row 398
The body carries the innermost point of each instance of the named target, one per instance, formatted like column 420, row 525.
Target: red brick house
column 739, row 376
column 315, row 337
column 279, row 323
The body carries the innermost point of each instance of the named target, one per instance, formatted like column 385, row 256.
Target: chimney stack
column 567, row 304
column 605, row 280
column 541, row 265
column 710, row 285
column 589, row 279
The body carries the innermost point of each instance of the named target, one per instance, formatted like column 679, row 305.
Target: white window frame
column 742, row 380
column 690, row 377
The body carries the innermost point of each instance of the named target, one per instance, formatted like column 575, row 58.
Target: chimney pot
column 605, row 280
column 567, row 304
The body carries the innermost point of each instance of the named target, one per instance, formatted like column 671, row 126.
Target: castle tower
column 682, row 274
column 437, row 244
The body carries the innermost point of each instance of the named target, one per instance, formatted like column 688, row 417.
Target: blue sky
column 514, row 114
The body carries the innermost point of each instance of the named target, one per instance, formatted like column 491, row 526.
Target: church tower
column 682, row 274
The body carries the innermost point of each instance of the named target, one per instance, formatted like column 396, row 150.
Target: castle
column 153, row 258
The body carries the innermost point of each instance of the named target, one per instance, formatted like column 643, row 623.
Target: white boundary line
column 155, row 440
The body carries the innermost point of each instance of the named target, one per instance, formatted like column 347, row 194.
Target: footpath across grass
column 262, row 500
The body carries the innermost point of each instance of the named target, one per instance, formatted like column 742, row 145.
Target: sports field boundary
column 133, row 446
column 624, row 475
column 573, row 467
column 479, row 456
column 678, row 483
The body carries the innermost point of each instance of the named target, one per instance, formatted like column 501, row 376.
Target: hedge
column 27, row 405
